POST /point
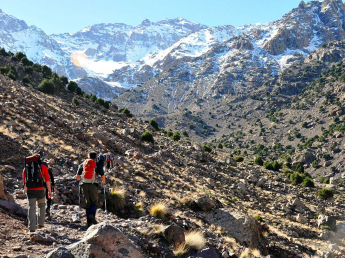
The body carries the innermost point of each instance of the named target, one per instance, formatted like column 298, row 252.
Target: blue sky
column 72, row 15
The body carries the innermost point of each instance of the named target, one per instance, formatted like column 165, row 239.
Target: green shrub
column 154, row 124
column 100, row 101
column 299, row 168
column 26, row 79
column 220, row 145
column 176, row 136
column 46, row 86
column 296, row 178
column 239, row 159
column 272, row 165
column 11, row 75
column 64, row 79
column 324, row 227
column 324, row 180
column 106, row 104
column 20, row 55
column 206, row 147
column 15, row 59
column 3, row 52
column 259, row 218
column 28, row 69
column 315, row 164
column 304, row 124
column 72, row 86
column 185, row 133
column 258, row 161
column 75, row 101
column 125, row 111
column 147, row 137
column 170, row 133
column 25, row 61
column 325, row 193
column 308, row 182
column 47, row 72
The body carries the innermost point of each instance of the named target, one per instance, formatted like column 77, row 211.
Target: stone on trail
column 104, row 241
column 242, row 227
column 174, row 235
column 205, row 203
column 10, row 206
column 324, row 220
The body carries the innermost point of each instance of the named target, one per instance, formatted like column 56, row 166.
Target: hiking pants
column 33, row 197
column 90, row 192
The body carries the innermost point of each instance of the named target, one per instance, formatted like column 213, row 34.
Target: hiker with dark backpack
column 87, row 176
column 35, row 174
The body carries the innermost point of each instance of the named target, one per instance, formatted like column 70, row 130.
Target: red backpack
column 89, row 169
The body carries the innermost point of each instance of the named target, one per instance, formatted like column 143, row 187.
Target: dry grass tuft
column 250, row 253
column 195, row 239
column 180, row 250
column 117, row 199
column 159, row 210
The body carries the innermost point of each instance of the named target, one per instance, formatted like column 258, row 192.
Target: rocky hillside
column 170, row 198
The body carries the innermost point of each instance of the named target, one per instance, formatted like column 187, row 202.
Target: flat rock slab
column 10, row 206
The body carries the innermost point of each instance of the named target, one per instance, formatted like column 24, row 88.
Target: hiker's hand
column 78, row 177
column 49, row 195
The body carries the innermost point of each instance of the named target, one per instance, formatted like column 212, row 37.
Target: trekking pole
column 79, row 202
column 52, row 210
column 105, row 204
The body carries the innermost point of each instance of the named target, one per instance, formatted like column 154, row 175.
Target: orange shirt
column 45, row 175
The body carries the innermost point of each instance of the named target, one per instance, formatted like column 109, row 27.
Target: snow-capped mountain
column 96, row 51
column 251, row 55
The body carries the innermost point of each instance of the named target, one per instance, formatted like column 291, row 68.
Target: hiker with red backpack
column 35, row 175
column 87, row 176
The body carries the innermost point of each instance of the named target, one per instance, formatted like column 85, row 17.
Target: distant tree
column 258, row 161
column 26, row 79
column 3, row 52
column 299, row 168
column 47, row 72
column 154, row 124
column 170, row 133
column 72, row 86
column 220, row 145
column 19, row 55
column 46, row 86
column 26, row 61
column 147, row 137
column 64, row 79
column 99, row 101
column 185, row 133
column 176, row 136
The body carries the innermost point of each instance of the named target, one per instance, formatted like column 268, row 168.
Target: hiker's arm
column 51, row 176
column 79, row 171
column 103, row 179
column 24, row 178
column 49, row 189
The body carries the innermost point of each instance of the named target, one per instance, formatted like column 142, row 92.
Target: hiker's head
column 93, row 155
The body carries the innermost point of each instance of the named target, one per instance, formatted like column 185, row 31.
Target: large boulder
column 9, row 206
column 324, row 220
column 103, row 240
column 60, row 252
column 242, row 227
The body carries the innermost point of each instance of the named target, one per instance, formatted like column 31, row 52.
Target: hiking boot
column 39, row 226
column 93, row 219
column 89, row 221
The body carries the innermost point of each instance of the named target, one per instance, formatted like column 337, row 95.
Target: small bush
column 11, row 75
column 296, row 178
column 324, row 227
column 46, row 86
column 154, row 124
column 125, row 111
column 47, row 72
column 206, row 147
column 239, row 159
column 304, row 124
column 300, row 168
column 159, row 210
column 308, row 182
column 195, row 239
column 176, row 136
column 75, row 101
column 139, row 210
column 258, row 161
column 72, row 86
column 64, row 79
column 26, row 79
column 325, row 193
column 28, row 69
column 185, row 134
column 15, row 59
column 25, row 61
column 147, row 137
column 219, row 145
column 170, row 133
column 20, row 55
column 259, row 218
column 272, row 165
column 324, row 180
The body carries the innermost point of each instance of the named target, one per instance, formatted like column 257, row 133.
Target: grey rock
column 324, row 220
column 207, row 253
column 205, row 203
column 60, row 252
column 104, row 240
column 9, row 206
